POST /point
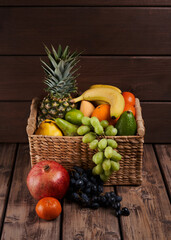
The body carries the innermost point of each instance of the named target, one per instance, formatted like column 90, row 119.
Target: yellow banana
column 105, row 86
column 111, row 96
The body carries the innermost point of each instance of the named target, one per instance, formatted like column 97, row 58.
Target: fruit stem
column 46, row 168
column 75, row 100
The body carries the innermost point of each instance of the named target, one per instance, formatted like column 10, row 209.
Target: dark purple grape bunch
column 87, row 190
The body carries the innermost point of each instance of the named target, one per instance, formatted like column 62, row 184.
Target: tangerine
column 102, row 112
column 129, row 98
column 129, row 107
column 48, row 208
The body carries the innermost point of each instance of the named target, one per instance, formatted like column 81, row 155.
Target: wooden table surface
column 149, row 203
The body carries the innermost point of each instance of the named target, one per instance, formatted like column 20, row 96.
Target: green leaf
column 46, row 71
column 47, row 50
column 59, row 51
column 49, row 83
column 58, row 73
column 55, row 80
column 47, row 66
column 52, row 60
column 61, row 66
column 55, row 54
column 65, row 53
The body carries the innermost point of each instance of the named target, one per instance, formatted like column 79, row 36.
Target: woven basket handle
column 139, row 119
column 31, row 122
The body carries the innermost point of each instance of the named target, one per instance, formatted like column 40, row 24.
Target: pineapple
column 60, row 81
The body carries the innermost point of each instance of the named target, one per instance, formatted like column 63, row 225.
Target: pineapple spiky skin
column 52, row 107
column 61, row 83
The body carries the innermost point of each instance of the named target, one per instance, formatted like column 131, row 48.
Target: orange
column 129, row 98
column 129, row 107
column 102, row 112
column 48, row 208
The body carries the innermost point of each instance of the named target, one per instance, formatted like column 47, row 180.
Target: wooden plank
column 14, row 116
column 149, row 205
column 21, row 220
column 81, row 223
column 23, row 78
column 85, row 3
column 117, row 31
column 164, row 157
column 157, row 117
column 13, row 121
column 7, row 159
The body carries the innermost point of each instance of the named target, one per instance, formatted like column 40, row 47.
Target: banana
column 111, row 96
column 105, row 86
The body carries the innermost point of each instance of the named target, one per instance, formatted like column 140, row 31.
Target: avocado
column 126, row 125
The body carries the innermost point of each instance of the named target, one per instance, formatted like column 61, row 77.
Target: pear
column 48, row 128
column 67, row 128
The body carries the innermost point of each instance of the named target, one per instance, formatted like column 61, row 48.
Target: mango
column 74, row 116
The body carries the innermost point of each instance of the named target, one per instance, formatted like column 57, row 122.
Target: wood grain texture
column 117, row 31
column 85, row 3
column 14, row 116
column 150, row 216
column 7, row 158
column 21, row 220
column 22, row 77
column 164, row 157
column 80, row 223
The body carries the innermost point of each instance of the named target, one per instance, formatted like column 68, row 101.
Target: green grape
column 102, row 144
column 98, row 157
column 89, row 137
column 82, row 130
column 94, row 122
column 97, row 170
column 104, row 123
column 108, row 173
column 86, row 121
column 115, row 166
column 110, row 131
column 99, row 130
column 108, row 152
column 93, row 144
column 116, row 156
column 106, row 164
column 103, row 177
column 100, row 150
column 112, row 143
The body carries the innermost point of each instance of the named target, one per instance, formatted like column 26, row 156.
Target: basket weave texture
column 71, row 151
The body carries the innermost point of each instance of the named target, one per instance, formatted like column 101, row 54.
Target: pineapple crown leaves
column 60, row 73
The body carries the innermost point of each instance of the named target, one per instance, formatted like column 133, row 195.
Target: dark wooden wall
column 127, row 43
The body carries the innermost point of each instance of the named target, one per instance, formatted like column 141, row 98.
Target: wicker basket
column 70, row 151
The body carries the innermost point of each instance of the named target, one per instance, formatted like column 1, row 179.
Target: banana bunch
column 105, row 94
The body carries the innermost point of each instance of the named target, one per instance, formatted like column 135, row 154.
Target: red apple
column 48, row 179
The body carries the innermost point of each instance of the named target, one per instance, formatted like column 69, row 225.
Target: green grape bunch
column 106, row 158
